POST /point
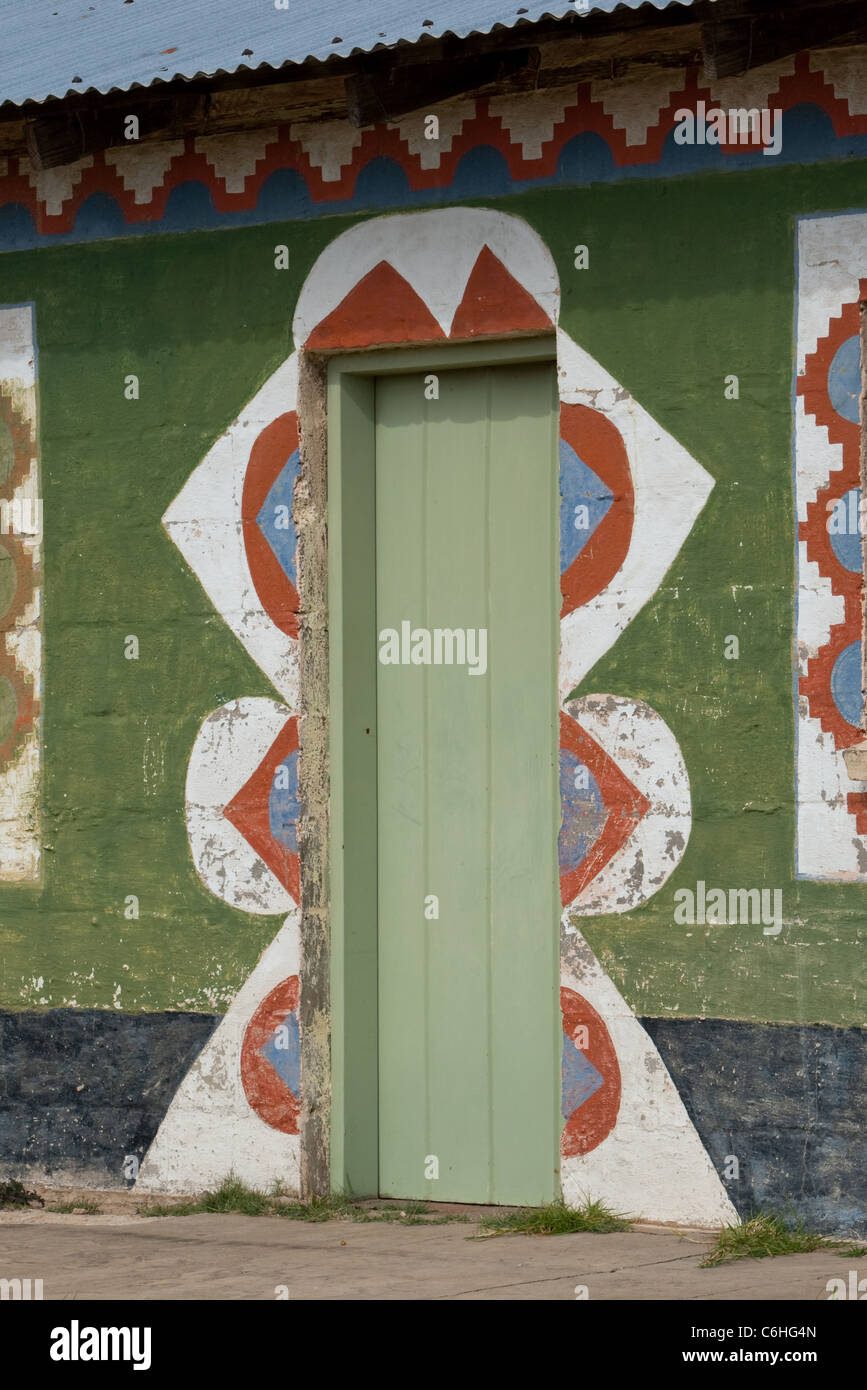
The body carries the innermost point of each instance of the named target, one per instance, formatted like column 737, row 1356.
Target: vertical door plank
column 467, row 803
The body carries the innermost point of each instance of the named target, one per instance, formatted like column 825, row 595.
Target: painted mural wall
column 712, row 851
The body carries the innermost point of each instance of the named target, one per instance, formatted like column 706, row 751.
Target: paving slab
column 216, row 1257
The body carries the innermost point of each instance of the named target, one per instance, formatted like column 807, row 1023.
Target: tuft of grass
column 409, row 1214
column 415, row 1209
column 763, row 1235
column 233, row 1196
column 328, row 1208
column 179, row 1209
column 404, row 1217
column 83, row 1208
column 556, row 1219
column 853, row 1252
column 15, row 1194
column 390, row 1211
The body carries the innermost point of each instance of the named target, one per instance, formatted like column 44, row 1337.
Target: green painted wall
column 201, row 320
column 689, row 280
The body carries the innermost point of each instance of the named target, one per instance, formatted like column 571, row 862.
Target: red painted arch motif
column 598, row 445
column 272, row 569
column 615, row 808
column 591, row 1077
column 271, row 1058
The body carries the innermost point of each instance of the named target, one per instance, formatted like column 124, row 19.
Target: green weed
column 83, row 1208
column 763, row 1235
column 556, row 1219
column 233, row 1196
column 14, row 1194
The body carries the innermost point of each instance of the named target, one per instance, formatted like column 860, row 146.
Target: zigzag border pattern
column 54, row 199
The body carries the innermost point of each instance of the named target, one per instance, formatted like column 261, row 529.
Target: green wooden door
column 468, row 808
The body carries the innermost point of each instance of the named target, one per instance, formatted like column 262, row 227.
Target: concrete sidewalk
column 242, row 1257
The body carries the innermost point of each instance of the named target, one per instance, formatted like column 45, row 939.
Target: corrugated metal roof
column 54, row 47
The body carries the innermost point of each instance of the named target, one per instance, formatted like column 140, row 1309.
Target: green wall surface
column 689, row 280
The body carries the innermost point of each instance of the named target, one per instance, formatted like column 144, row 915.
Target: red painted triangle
column 625, row 804
column 382, row 308
column 248, row 811
column 495, row 302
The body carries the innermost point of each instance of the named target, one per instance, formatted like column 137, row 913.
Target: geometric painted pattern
column 138, row 184
column 591, row 1077
column 18, row 704
column 21, row 600
column 275, row 519
column 494, row 277
column 383, row 308
column 581, row 1080
column 831, row 390
column 265, row 809
column 600, row 808
column 271, row 1058
column 268, row 524
column 627, row 816
column 584, row 503
column 597, row 505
